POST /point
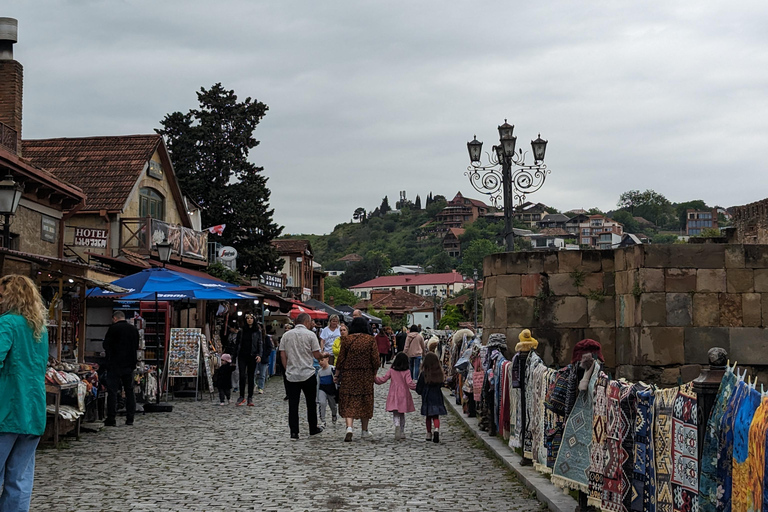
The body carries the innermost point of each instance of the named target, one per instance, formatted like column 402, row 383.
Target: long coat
column 357, row 365
column 399, row 398
column 23, row 361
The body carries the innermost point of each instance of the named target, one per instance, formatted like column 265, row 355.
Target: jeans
column 263, row 369
column 324, row 399
column 114, row 383
column 415, row 364
column 247, row 367
column 294, row 389
column 17, row 470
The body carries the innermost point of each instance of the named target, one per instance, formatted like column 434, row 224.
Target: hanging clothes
column 514, row 406
column 540, row 449
column 741, row 494
column 724, row 473
column 756, row 457
column 561, row 396
column 597, row 455
column 662, row 445
column 644, row 474
column 618, row 464
column 532, row 363
column 685, row 436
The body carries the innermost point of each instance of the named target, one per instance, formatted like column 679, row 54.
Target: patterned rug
column 531, row 364
column 558, row 407
column 643, row 492
column 685, row 451
column 756, row 457
column 662, row 445
column 597, row 455
column 571, row 469
column 724, row 474
column 708, row 477
column 545, row 423
column 616, row 483
column 741, row 435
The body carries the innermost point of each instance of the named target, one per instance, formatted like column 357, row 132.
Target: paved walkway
column 202, row 457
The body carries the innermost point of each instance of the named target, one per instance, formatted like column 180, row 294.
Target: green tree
column 220, row 271
column 359, row 214
column 452, row 315
column 341, row 296
column 682, row 208
column 630, row 224
column 417, row 205
column 472, row 256
column 374, row 264
column 209, row 147
column 440, row 263
column 384, row 208
column 664, row 239
column 629, row 200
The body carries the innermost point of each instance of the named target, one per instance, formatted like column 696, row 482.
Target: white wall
column 425, row 319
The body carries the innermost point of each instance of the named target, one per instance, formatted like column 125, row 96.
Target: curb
column 554, row 497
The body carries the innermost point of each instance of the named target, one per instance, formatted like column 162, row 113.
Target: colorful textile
column 643, row 494
column 530, row 366
column 560, row 398
column 741, row 426
column 756, row 457
column 514, row 406
column 547, row 423
column 537, row 410
column 685, row 464
column 618, row 465
column 571, row 469
column 708, row 477
column 504, row 424
column 597, row 455
column 724, row 473
column 662, row 445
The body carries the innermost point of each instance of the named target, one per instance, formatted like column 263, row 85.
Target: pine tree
column 384, row 208
column 417, row 205
column 209, row 148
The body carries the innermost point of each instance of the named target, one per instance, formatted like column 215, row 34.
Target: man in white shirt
column 298, row 348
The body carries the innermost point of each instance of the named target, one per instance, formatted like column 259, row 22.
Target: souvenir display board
column 207, row 362
column 184, row 353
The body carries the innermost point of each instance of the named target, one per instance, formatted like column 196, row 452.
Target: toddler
column 430, row 381
column 399, row 399
column 223, row 378
column 326, row 388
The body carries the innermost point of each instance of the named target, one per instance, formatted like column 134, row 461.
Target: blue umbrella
column 215, row 294
column 161, row 280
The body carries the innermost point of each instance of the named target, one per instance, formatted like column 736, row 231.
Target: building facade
column 599, row 232
column 446, row 284
column 696, row 221
column 302, row 278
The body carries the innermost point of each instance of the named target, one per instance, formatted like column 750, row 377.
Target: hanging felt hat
column 526, row 341
column 587, row 346
column 432, row 344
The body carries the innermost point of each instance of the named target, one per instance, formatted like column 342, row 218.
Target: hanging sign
column 87, row 237
column 227, row 254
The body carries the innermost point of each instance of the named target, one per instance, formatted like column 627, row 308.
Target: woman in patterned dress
column 356, row 369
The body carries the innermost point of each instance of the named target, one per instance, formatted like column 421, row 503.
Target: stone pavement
column 203, row 457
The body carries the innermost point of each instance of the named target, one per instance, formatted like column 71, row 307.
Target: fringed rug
column 662, row 443
column 531, row 364
column 558, row 405
column 741, row 436
column 643, row 491
column 616, row 477
column 597, row 455
column 685, row 451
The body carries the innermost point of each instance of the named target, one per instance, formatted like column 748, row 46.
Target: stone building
column 750, row 223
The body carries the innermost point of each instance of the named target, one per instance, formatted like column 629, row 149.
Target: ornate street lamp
column 507, row 179
column 434, row 306
column 10, row 195
column 164, row 250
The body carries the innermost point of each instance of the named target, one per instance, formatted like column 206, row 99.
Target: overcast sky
column 370, row 98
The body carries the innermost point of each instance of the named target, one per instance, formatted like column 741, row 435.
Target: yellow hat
column 527, row 342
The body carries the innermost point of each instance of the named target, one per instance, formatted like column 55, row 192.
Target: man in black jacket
column 248, row 354
column 120, row 345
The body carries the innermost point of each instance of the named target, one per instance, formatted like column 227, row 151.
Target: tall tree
column 359, row 214
column 209, row 147
column 417, row 205
column 384, row 208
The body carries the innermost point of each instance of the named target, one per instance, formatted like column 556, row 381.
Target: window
column 151, row 203
column 364, row 295
column 584, row 231
column 585, row 241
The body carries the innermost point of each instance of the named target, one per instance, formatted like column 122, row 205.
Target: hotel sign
column 87, row 237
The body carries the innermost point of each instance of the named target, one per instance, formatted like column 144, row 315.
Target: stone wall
column 751, row 223
column 656, row 309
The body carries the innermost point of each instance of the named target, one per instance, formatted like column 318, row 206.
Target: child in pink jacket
column 399, row 399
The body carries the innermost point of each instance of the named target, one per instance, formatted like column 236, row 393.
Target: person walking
column 298, row 348
column 326, row 389
column 355, row 372
column 343, row 331
column 249, row 346
column 262, row 367
column 120, row 345
column 400, row 339
column 429, row 387
column 329, row 335
column 414, row 349
column 383, row 344
column 23, row 361
column 223, row 378
column 399, row 399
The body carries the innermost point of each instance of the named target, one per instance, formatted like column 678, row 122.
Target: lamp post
column 507, row 178
column 434, row 306
column 164, row 250
column 474, row 277
column 10, row 195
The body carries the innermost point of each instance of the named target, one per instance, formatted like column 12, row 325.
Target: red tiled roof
column 413, row 280
column 351, row 257
column 457, row 232
column 106, row 168
column 395, row 301
column 285, row 246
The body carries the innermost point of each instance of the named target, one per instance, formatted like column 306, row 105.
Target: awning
column 296, row 310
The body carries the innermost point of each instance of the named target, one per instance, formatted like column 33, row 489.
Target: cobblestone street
column 203, row 457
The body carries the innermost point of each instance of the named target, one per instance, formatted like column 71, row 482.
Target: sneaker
column 429, row 436
column 240, row 401
column 318, row 431
column 397, row 432
column 129, row 422
column 348, row 436
column 250, row 403
column 294, row 437
column 436, row 437
column 285, row 398
column 366, row 434
column 334, row 420
column 110, row 423
column 222, row 403
column 261, row 391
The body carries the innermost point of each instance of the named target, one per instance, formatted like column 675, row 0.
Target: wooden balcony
column 140, row 234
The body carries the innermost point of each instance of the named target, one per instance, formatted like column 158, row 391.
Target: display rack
column 157, row 329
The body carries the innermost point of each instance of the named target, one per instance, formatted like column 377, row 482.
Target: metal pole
column 475, row 276
column 7, row 232
column 434, row 312
column 506, row 180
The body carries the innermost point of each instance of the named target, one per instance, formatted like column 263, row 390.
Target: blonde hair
column 21, row 296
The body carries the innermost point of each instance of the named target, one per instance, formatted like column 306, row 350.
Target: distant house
column 407, row 269
column 530, row 213
column 399, row 303
column 351, row 258
column 573, row 225
column 599, row 232
column 451, row 243
column 696, row 221
column 553, row 221
column 446, row 284
column 543, row 242
column 302, row 278
column 644, row 223
column 461, row 211
column 629, row 239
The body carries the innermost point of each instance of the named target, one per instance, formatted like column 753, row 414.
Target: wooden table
column 55, row 389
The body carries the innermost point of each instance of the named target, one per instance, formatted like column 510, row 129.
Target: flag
column 217, row 230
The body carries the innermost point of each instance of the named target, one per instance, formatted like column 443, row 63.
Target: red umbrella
column 296, row 310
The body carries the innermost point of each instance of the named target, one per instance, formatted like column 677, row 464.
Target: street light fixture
column 434, row 306
column 507, row 178
column 164, row 250
column 474, row 278
column 10, row 195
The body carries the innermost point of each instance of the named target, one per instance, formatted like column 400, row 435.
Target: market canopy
column 163, row 281
column 215, row 294
column 296, row 310
column 328, row 309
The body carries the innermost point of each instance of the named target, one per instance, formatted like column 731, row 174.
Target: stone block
column 562, row 284
column 706, row 310
column 697, row 255
column 680, row 279
column 625, row 310
column 609, row 263
column 734, row 256
column 698, row 341
column 689, row 372
column 621, row 280
column 679, row 309
column 653, row 309
column 516, row 263
column 730, row 310
column 625, row 344
column 593, row 283
column 500, row 313
column 571, row 312
column 661, row 346
column 651, row 279
column 591, row 261
column 489, row 312
column 535, row 262
column 710, row 280
column 508, row 286
column 602, row 313
column 764, row 308
column 756, row 256
column 609, row 283
column 751, row 310
column 561, row 343
column 639, row 255
column 494, row 265
column 551, row 264
column 530, row 285
column 520, row 312
column 669, row 376
column 749, row 345
column 740, row 280
column 761, row 280
column 569, row 261
column 489, row 287
column 657, row 256
column 620, row 260
column 607, row 339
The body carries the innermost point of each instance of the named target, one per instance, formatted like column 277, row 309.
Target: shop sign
column 272, row 280
column 227, row 253
column 155, row 170
column 306, row 294
column 48, row 229
column 87, row 237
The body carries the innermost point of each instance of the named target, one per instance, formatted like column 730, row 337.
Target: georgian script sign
column 87, row 237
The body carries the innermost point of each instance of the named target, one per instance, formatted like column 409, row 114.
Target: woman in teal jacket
column 23, row 361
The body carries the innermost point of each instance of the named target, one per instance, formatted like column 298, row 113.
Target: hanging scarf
column 531, row 364
column 741, row 426
column 662, row 445
column 685, row 451
column 571, row 466
column 756, row 457
column 514, row 409
column 643, row 479
column 709, row 456
column 597, row 455
column 546, row 419
column 558, row 405
column 504, row 424
column 618, row 465
column 725, row 456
